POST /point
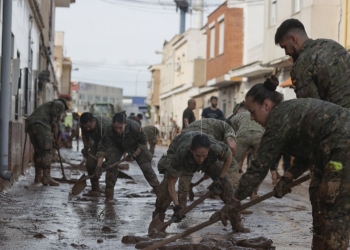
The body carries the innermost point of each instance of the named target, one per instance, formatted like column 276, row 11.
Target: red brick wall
column 233, row 42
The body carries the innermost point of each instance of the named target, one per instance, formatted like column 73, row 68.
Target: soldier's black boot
column 47, row 179
column 95, row 188
column 109, row 195
column 38, row 174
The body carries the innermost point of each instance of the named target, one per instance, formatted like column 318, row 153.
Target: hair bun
column 271, row 83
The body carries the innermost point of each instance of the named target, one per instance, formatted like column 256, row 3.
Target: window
column 296, row 6
column 105, row 99
column 81, row 97
column 212, row 43
column 273, row 12
column 221, row 37
column 97, row 99
column 111, row 100
column 90, row 98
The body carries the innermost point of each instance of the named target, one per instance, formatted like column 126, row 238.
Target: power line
column 107, row 66
column 105, row 80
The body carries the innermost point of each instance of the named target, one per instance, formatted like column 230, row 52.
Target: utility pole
column 5, row 89
column 183, row 6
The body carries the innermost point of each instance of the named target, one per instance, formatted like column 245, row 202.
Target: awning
column 287, row 83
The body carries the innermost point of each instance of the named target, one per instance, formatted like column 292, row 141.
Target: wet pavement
column 34, row 216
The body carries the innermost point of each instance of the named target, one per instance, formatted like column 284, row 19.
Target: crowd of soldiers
column 313, row 129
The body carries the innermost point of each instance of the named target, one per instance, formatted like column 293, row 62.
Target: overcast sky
column 113, row 42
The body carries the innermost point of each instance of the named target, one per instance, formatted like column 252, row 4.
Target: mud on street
column 33, row 216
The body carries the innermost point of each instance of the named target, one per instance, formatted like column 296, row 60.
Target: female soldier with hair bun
column 316, row 133
column 195, row 151
column 124, row 135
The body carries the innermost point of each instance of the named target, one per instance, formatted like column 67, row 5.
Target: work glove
column 217, row 186
column 98, row 171
column 228, row 212
column 176, row 214
column 281, row 188
column 85, row 151
column 130, row 157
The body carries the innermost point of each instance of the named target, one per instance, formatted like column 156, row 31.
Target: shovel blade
column 80, row 185
column 152, row 228
column 123, row 175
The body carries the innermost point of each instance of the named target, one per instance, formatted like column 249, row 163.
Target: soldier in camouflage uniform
column 321, row 70
column 316, row 133
column 194, row 152
column 42, row 127
column 248, row 134
column 321, row 67
column 93, row 128
column 220, row 131
column 124, row 136
column 152, row 135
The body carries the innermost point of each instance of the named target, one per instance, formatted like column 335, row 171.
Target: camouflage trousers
column 246, row 143
column 152, row 147
column 91, row 164
column 41, row 139
column 144, row 159
column 330, row 200
column 164, row 199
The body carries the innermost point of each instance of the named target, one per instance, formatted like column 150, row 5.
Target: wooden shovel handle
column 272, row 193
column 107, row 168
column 217, row 218
column 196, row 183
column 184, row 211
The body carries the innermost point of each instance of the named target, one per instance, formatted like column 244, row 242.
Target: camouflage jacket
column 134, row 117
column 217, row 129
column 308, row 129
column 102, row 122
column 322, row 71
column 183, row 161
column 242, row 124
column 47, row 113
column 152, row 133
column 132, row 138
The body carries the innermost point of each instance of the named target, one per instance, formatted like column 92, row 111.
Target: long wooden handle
column 107, row 168
column 184, row 211
column 197, row 183
column 217, row 218
column 272, row 193
column 59, row 156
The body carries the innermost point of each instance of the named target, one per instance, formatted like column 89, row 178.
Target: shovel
column 157, row 225
column 190, row 193
column 64, row 178
column 217, row 218
column 121, row 175
column 80, row 185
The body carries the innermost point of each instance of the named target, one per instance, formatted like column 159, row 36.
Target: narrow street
column 53, row 219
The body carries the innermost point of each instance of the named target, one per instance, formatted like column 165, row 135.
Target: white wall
column 21, row 26
column 321, row 19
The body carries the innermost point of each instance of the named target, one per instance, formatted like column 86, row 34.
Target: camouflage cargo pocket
column 163, row 163
column 330, row 187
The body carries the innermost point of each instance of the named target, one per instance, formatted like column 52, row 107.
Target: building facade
column 85, row 94
column 32, row 76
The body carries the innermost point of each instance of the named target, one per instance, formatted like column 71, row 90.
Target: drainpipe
column 5, row 89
